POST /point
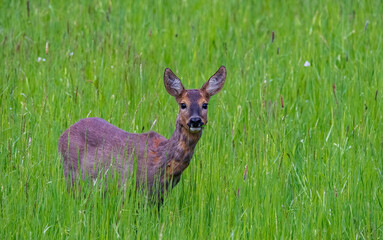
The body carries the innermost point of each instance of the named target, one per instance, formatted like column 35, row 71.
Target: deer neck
column 179, row 150
column 180, row 147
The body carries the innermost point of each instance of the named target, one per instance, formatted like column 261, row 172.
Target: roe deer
column 93, row 145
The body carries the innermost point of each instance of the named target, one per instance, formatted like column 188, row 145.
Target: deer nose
column 195, row 122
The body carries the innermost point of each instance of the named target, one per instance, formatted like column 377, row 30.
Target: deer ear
column 215, row 83
column 172, row 84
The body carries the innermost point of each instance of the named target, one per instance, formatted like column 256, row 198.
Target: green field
column 314, row 165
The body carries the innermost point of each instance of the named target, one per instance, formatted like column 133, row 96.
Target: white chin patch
column 194, row 130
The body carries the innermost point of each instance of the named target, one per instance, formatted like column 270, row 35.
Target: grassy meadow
column 310, row 137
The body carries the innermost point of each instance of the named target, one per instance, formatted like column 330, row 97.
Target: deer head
column 193, row 103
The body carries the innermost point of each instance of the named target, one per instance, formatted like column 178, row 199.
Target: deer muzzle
column 195, row 124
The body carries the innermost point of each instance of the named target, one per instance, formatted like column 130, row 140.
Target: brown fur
column 93, row 147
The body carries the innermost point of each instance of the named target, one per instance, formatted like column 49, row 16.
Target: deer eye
column 183, row 106
column 204, row 106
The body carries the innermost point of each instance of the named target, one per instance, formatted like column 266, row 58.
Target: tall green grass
column 314, row 165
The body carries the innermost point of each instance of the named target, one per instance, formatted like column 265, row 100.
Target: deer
column 93, row 147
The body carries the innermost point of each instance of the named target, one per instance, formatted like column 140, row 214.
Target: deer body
column 92, row 145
